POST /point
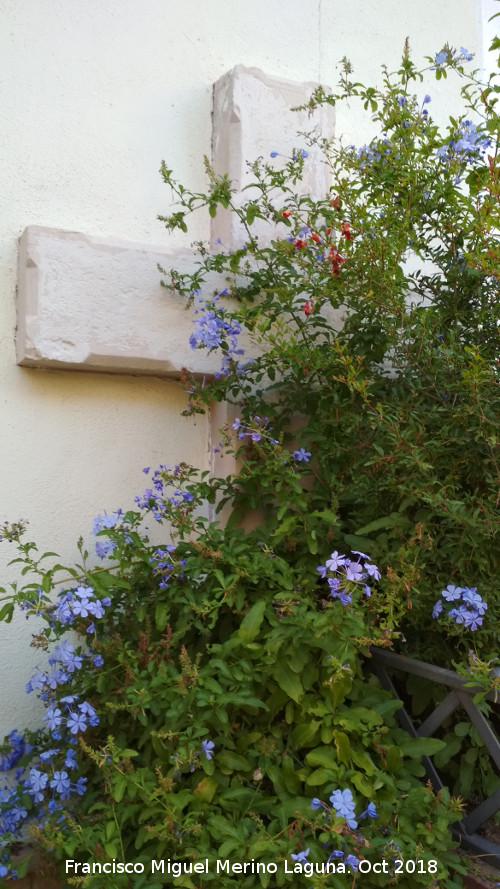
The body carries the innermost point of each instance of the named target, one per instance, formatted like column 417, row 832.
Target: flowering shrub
column 214, row 691
column 470, row 611
column 216, row 688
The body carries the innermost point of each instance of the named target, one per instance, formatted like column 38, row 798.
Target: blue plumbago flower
column 47, row 755
column 337, row 592
column 212, row 330
column 317, row 804
column 438, row 607
column 344, row 806
column 372, row 570
column 370, row 811
column 53, row 717
column 274, row 154
column 88, row 711
column 103, row 521
column 401, row 100
column 300, row 856
column 76, row 722
column 352, row 861
column 466, row 54
column 104, row 548
column 70, row 759
column 451, row 593
column 302, row 455
column 471, row 597
column 441, row 58
column 469, row 613
column 348, row 572
column 354, row 571
column 37, row 782
column 60, row 782
column 207, row 747
column 472, row 620
column 81, row 786
column 335, row 561
column 427, row 99
column 466, row 144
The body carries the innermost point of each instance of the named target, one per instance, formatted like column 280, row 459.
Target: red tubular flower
column 345, row 231
column 336, row 260
column 316, row 237
column 308, row 308
column 335, row 203
column 299, row 243
column 286, row 214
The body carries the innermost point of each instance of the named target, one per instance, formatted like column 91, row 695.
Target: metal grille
column 460, row 696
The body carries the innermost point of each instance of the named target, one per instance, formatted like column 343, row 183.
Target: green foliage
column 396, row 392
column 243, row 649
column 234, row 696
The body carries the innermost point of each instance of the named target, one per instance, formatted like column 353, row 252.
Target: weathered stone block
column 97, row 304
column 252, row 117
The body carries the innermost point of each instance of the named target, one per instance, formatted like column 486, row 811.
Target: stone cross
column 96, row 304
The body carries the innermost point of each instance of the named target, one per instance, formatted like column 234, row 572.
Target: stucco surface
column 93, row 95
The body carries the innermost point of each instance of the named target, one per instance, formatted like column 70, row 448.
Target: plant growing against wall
column 208, row 701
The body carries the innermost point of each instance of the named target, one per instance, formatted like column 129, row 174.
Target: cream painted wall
column 92, row 96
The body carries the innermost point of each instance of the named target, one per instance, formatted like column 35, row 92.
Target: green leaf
column 362, row 784
column 303, row 733
column 251, row 623
column 417, row 747
column 343, row 748
column 462, row 729
column 161, row 615
column 288, row 682
column 231, row 762
column 205, row 790
column 393, row 759
column 322, row 756
column 6, row 613
column 453, row 746
column 118, row 789
column 252, row 212
column 364, row 761
column 388, row 521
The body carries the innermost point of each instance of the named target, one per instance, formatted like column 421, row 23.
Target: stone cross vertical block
column 252, row 116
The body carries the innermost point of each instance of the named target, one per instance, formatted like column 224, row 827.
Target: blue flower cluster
column 215, row 329
column 40, row 775
column 302, row 153
column 343, row 805
column 156, row 500
column 105, row 547
column 350, row 574
column 448, row 56
column 256, row 431
column 466, row 144
column 468, row 610
column 374, row 153
column 165, row 565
